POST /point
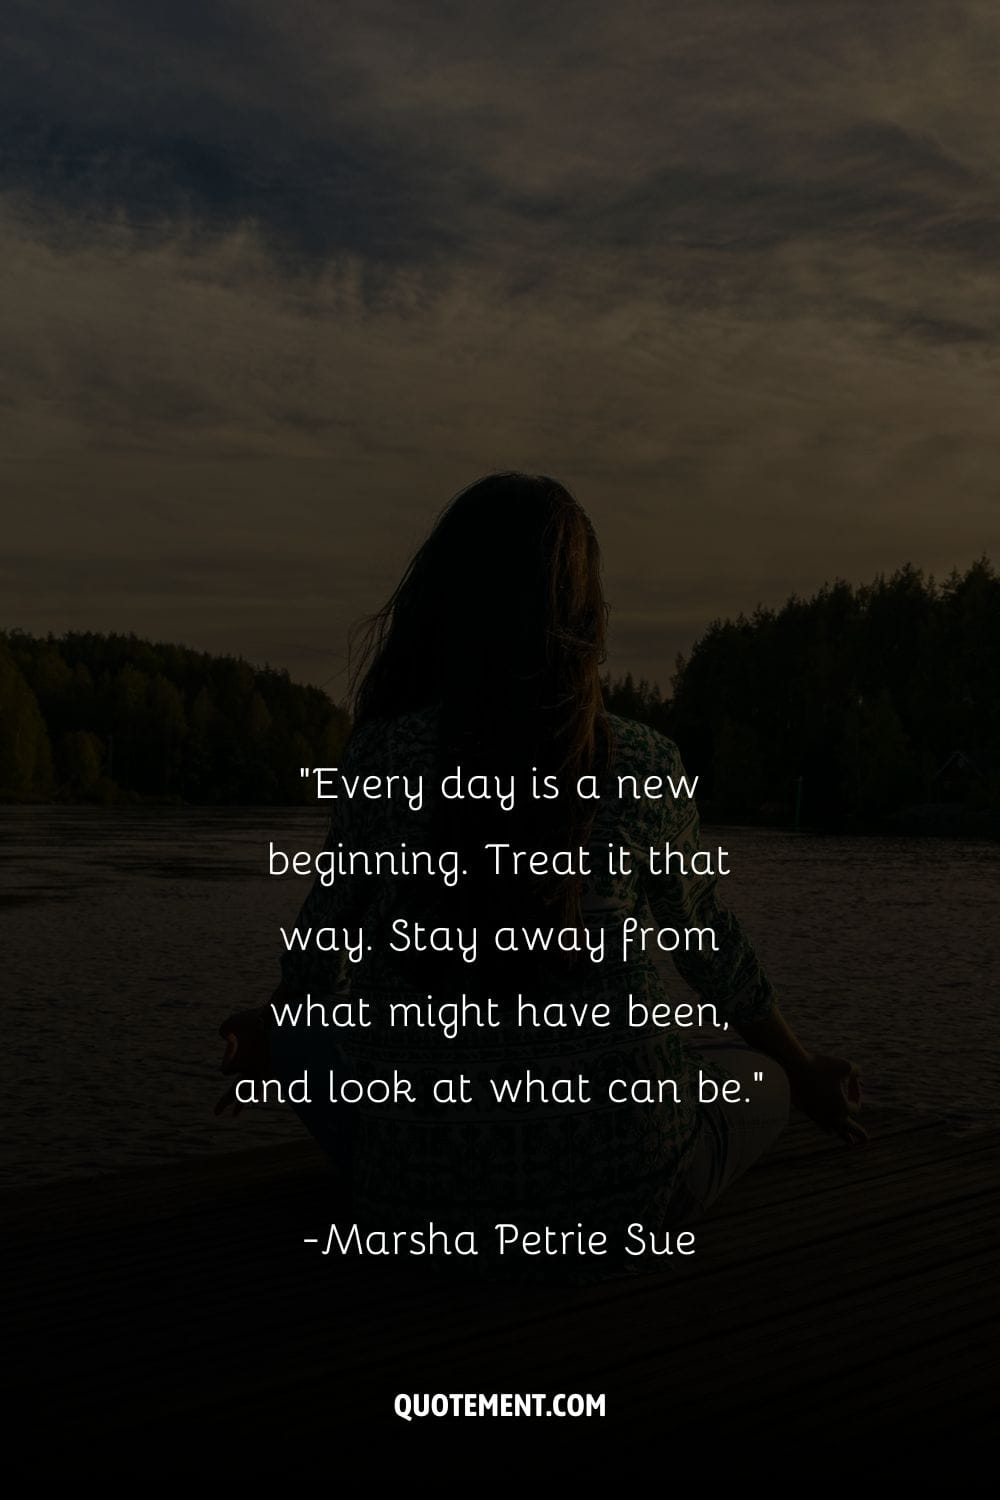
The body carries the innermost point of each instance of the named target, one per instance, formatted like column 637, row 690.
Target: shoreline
column 265, row 1163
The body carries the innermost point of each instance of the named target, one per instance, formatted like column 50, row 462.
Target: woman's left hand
column 828, row 1090
column 246, row 1056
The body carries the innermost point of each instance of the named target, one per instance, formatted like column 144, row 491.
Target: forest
column 862, row 706
column 111, row 718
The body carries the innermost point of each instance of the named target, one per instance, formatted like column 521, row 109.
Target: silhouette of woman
column 543, row 1095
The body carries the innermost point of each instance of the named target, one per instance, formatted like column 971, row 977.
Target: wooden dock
column 839, row 1291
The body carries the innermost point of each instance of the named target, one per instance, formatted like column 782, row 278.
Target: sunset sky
column 280, row 278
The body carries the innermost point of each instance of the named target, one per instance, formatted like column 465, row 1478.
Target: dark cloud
column 105, row 123
column 403, row 148
column 282, row 278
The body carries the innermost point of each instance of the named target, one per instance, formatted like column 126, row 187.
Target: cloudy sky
column 279, row 279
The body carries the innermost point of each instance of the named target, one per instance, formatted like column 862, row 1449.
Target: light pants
column 732, row 1136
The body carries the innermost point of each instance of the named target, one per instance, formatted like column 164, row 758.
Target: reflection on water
column 128, row 935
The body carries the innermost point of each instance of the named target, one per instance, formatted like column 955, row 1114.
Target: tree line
column 836, row 710
column 845, row 708
column 108, row 718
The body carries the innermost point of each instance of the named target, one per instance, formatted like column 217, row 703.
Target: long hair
column 499, row 625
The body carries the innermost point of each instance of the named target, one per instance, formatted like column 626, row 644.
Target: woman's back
column 567, row 1112
column 542, row 1088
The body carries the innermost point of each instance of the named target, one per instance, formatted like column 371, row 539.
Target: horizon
column 615, row 669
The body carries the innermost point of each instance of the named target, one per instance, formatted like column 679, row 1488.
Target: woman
column 484, row 668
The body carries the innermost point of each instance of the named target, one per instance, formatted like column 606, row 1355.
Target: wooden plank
column 877, row 1261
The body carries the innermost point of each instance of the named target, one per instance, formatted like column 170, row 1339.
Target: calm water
column 129, row 935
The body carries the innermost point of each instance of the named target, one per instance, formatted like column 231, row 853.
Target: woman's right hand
column 828, row 1090
column 246, row 1054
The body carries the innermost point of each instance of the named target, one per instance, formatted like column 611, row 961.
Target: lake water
column 129, row 935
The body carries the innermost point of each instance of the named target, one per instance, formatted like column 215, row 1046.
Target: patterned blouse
column 599, row 1163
